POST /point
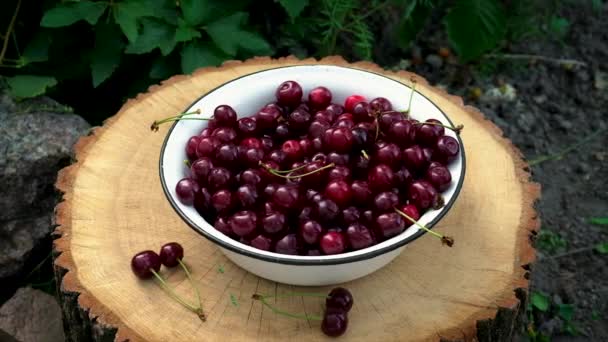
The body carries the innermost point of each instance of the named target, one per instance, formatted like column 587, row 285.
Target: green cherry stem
column 285, row 313
column 409, row 106
column 176, row 297
column 365, row 155
column 198, row 294
column 187, row 163
column 278, row 173
column 456, row 129
column 157, row 123
column 446, row 240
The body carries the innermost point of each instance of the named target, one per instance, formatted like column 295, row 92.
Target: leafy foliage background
column 94, row 54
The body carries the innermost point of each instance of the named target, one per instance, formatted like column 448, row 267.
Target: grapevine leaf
column 602, row 247
column 475, row 26
column 22, row 86
column 127, row 13
column 67, row 13
column 185, row 32
column 199, row 12
column 107, row 53
column 198, row 54
column 155, row 34
column 163, row 68
column 293, row 7
column 559, row 26
column 599, row 221
column 565, row 311
column 412, row 22
column 540, row 301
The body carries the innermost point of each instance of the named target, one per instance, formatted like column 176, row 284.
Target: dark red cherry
column 200, row 169
column 332, row 243
column 222, row 225
column 350, row 215
column 385, row 201
column 422, row 194
column 191, row 146
column 252, row 177
column 279, row 157
column 186, row 189
column 389, row 154
column 219, row 178
column 361, row 112
column 261, row 242
column 206, row 132
column 251, row 143
column 327, row 210
column 427, row 134
column 381, row 178
column 247, row 195
column 389, row 225
column 339, row 192
column 402, row 133
column 310, row 231
column 339, row 140
column 446, row 149
column 243, row 223
column 286, row 196
column 388, row 118
column 351, row 101
column 207, row 146
column 403, row 178
column 225, row 116
column 251, row 157
column 359, row 236
column 440, row 177
column 361, row 192
column 339, row 172
column 247, row 126
column 293, row 150
column 225, row 134
column 361, row 138
column 227, row 155
column 299, row 119
column 334, row 323
column 274, row 223
column 287, row 245
column 222, row 201
column 289, row 93
column 171, row 253
column 267, row 143
column 411, row 211
column 144, row 262
column 414, row 158
column 334, row 111
column 319, row 97
column 338, row 158
column 339, row 298
column 317, row 128
column 380, row 104
column 268, row 118
column 282, row 132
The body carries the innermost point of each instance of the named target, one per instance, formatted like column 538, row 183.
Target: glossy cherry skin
column 339, row 192
column 286, row 196
column 414, row 158
column 191, row 146
column 389, row 225
column 334, row 322
column 380, row 178
column 423, row 195
column 200, row 169
column 339, row 298
column 225, row 116
column 251, row 177
column 332, row 243
column 361, row 112
column 222, row 200
column 359, row 236
column 385, row 201
column 351, row 101
column 427, row 134
column 186, row 189
column 225, row 134
column 361, row 192
column 268, row 118
column 389, row 154
column 219, row 178
column 247, row 126
column 411, row 211
column 317, row 128
column 310, row 231
column 144, row 262
column 207, row 146
column 261, row 242
column 334, row 110
column 274, row 223
column 339, row 172
column 327, row 210
column 446, row 149
column 440, row 177
column 339, row 140
column 227, row 155
column 380, row 105
column 388, row 118
column 287, row 245
column 247, row 195
column 403, row 178
column 222, row 225
column 293, row 150
column 289, row 93
column 319, row 97
column 299, row 119
column 350, row 215
column 402, row 133
column 171, row 253
column 243, row 223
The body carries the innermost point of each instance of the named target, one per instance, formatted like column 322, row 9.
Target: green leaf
column 539, row 301
column 107, row 53
column 37, row 50
column 475, row 26
column 293, row 7
column 200, row 12
column 411, row 23
column 599, row 221
column 23, row 86
column 571, row 329
column 228, row 35
column 163, row 68
column 198, row 54
column 155, row 34
column 126, row 14
column 185, row 32
column 602, row 247
column 559, row 26
column 67, row 13
column 565, row 311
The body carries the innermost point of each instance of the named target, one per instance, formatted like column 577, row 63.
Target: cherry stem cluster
column 156, row 123
column 287, row 173
column 456, row 129
column 198, row 310
column 446, row 240
column 263, row 300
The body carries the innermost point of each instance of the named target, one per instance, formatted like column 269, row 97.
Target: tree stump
column 114, row 207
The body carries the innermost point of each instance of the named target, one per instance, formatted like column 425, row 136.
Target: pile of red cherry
column 315, row 177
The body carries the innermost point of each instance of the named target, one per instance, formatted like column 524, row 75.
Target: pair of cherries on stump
column 146, row 264
column 334, row 322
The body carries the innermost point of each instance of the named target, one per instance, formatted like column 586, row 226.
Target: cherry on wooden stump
column 114, row 206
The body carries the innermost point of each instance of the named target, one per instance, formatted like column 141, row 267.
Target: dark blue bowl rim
column 320, row 261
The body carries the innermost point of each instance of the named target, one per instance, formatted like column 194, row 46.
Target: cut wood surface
column 114, row 206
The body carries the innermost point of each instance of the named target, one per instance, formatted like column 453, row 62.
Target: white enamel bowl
column 249, row 93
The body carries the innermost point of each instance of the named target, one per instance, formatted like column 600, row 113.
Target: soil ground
column 554, row 106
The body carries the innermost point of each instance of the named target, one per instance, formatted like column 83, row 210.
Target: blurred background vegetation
column 93, row 55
